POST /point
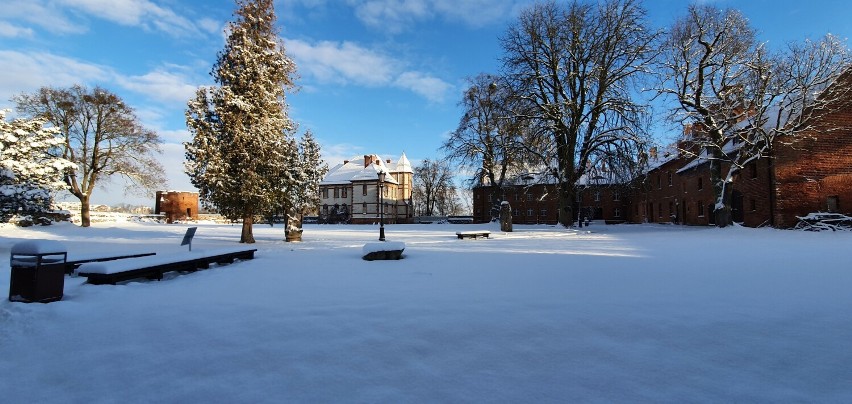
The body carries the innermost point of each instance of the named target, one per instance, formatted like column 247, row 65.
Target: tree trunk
column 247, row 236
column 722, row 207
column 293, row 230
column 505, row 217
column 566, row 214
column 85, row 216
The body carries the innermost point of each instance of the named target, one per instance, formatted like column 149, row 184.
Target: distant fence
column 443, row 219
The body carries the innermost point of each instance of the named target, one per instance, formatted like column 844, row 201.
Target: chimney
column 387, row 161
column 368, row 159
column 345, row 162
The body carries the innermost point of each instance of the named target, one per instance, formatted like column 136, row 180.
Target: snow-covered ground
column 625, row 313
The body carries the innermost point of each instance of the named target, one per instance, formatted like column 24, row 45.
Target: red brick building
column 808, row 174
column 177, row 205
column 534, row 202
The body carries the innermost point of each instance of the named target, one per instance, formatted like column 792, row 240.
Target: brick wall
column 177, row 205
column 815, row 168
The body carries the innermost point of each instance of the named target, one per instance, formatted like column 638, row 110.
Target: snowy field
column 631, row 313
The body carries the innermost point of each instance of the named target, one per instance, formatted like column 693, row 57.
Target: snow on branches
column 29, row 172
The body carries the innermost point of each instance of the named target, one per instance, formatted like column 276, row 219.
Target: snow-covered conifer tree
column 305, row 196
column 29, row 173
column 242, row 148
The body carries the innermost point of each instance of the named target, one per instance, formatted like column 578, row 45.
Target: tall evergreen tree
column 303, row 195
column 242, row 151
column 29, row 172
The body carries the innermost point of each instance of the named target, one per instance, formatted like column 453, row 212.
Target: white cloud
column 161, row 85
column 12, row 31
column 391, row 15
column 348, row 63
column 141, row 13
column 398, row 15
column 39, row 13
column 210, row 25
column 58, row 16
column 334, row 154
column 26, row 72
column 431, row 88
column 341, row 63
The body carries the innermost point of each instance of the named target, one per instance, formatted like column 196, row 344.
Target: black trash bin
column 38, row 271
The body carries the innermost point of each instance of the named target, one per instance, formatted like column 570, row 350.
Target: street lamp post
column 381, row 206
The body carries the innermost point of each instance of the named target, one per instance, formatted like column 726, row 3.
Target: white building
column 350, row 191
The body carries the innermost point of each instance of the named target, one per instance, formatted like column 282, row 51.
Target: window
column 325, row 192
column 544, row 213
column 616, row 196
column 364, row 207
column 517, row 196
column 660, row 209
column 597, row 196
column 753, row 170
column 364, row 189
column 515, row 212
column 833, row 203
column 616, row 213
column 659, row 181
column 336, row 192
column 530, row 213
column 700, row 206
column 700, row 183
column 670, row 178
column 343, row 192
column 529, row 196
column 753, row 205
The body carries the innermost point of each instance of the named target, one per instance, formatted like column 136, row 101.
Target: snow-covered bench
column 383, row 250
column 75, row 260
column 473, row 234
column 153, row 267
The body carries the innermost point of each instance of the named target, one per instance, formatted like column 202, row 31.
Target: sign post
column 187, row 238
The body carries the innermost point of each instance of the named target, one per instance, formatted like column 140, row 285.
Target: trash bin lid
column 38, row 247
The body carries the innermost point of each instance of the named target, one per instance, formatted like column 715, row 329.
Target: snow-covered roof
column 403, row 165
column 353, row 169
column 661, row 156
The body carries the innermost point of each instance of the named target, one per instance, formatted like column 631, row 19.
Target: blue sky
column 375, row 76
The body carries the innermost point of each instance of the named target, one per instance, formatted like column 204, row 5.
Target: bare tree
column 575, row 68
column 486, row 138
column 737, row 98
column 103, row 137
column 434, row 191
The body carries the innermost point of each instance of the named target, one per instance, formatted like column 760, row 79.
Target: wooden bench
column 472, row 234
column 153, row 267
